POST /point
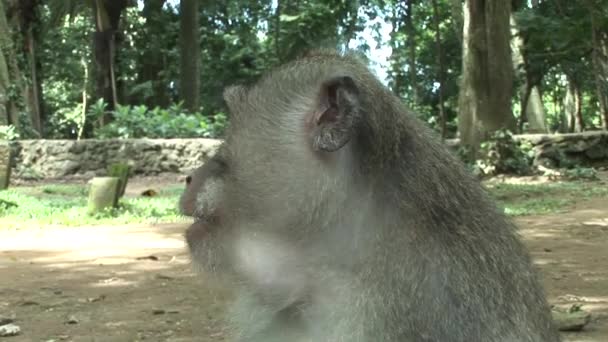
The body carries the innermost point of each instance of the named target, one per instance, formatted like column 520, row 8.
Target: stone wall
column 87, row 158
column 563, row 150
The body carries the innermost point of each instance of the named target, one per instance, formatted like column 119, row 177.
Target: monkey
column 201, row 187
column 341, row 217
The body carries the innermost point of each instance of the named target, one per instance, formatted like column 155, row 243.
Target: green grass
column 67, row 205
column 546, row 198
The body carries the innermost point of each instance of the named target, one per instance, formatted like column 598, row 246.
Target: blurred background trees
column 156, row 68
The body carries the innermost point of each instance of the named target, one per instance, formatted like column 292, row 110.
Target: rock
column 72, row 320
column 9, row 330
column 29, row 303
column 4, row 320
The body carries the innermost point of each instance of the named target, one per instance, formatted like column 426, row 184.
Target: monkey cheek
column 197, row 236
column 195, row 233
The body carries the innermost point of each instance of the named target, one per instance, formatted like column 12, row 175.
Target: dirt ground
column 134, row 283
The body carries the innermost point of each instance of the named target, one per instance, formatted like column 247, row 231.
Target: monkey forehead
column 290, row 84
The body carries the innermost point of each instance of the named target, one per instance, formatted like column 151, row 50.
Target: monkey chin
column 201, row 238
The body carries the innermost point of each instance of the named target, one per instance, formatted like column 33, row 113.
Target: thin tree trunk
column 107, row 19
column 277, row 30
column 10, row 74
column 600, row 66
column 457, row 18
column 579, row 124
column 573, row 106
column 5, row 46
column 25, row 18
column 397, row 82
column 152, row 58
column 190, row 54
column 83, row 114
column 535, row 111
column 523, row 118
column 34, row 87
column 411, row 51
column 441, row 65
column 531, row 106
column 487, row 72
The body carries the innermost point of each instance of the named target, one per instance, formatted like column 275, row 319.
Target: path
column 92, row 277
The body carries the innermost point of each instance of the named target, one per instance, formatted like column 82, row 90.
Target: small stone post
column 103, row 193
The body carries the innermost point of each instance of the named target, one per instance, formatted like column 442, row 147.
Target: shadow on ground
column 134, row 283
column 127, row 283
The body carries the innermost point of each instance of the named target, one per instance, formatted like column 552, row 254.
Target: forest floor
column 134, row 282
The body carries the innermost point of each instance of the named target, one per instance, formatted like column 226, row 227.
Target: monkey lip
column 201, row 228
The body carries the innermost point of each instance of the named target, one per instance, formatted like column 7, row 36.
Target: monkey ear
column 334, row 119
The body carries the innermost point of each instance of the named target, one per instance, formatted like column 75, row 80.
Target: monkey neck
column 413, row 175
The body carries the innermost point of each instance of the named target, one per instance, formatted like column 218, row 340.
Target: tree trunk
column 27, row 18
column 5, row 44
column 410, row 32
column 11, row 82
column 535, row 112
column 573, row 106
column 396, row 65
column 531, row 106
column 107, row 19
column 277, row 30
column 487, row 72
column 34, row 95
column 190, row 54
column 151, row 61
column 457, row 17
column 441, row 76
column 599, row 40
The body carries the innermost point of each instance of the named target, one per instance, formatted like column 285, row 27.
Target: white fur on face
column 208, row 196
column 270, row 264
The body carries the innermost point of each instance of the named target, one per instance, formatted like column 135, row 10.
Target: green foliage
column 8, row 132
column 66, row 205
column 502, row 154
column 580, row 173
column 64, row 43
column 543, row 198
column 173, row 122
column 64, row 190
column 241, row 39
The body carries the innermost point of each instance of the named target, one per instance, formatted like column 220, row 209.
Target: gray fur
column 387, row 238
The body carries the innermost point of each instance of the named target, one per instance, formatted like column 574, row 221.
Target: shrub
column 173, row 122
column 502, row 154
column 8, row 132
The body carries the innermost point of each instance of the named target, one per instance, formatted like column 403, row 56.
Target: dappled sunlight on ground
column 571, row 249
column 120, row 283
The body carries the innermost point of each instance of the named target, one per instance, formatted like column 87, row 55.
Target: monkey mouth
column 201, row 229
